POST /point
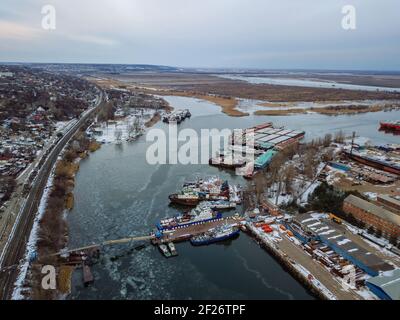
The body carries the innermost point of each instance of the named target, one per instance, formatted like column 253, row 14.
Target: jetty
column 184, row 233
column 255, row 154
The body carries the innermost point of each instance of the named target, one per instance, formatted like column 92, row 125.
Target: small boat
column 164, row 250
column 187, row 199
column 177, row 116
column 217, row 234
column 172, row 248
column 220, row 204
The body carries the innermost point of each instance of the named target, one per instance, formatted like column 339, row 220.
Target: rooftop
column 389, row 282
column 331, row 232
column 374, row 209
column 393, row 202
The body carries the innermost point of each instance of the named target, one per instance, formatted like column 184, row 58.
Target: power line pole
column 352, row 142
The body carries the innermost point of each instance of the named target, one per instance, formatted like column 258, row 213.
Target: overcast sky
column 205, row 33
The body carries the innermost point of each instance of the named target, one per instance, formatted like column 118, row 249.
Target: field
column 226, row 92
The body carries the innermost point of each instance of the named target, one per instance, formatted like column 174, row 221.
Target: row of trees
column 283, row 175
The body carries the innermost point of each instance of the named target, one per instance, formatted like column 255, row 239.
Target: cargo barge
column 254, row 148
column 376, row 163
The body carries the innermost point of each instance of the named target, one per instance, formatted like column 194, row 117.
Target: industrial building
column 268, row 141
column 386, row 286
column 309, row 227
column 373, row 215
column 390, row 203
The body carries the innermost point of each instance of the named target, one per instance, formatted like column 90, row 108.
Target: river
column 313, row 83
column 118, row 194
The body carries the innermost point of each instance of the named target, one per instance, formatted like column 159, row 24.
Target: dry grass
column 53, row 229
column 228, row 104
column 64, row 279
column 69, row 201
column 334, row 110
column 279, row 112
column 349, row 110
column 66, row 169
column 94, row 146
column 154, row 119
column 276, row 104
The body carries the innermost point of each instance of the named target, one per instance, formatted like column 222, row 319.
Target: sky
column 268, row 34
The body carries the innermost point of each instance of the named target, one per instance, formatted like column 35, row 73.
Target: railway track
column 15, row 247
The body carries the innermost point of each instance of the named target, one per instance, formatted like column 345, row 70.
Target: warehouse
column 378, row 217
column 386, row 286
column 389, row 202
column 329, row 233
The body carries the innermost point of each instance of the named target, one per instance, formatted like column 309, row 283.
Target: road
column 15, row 247
column 297, row 254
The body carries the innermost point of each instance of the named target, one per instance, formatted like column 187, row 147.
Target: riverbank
column 228, row 95
column 228, row 104
column 50, row 231
column 129, row 199
column 330, row 110
column 154, row 119
column 296, row 271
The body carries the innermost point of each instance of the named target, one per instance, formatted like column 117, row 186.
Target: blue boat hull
column 213, row 240
column 187, row 224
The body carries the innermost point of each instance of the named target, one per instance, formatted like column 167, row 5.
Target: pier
column 184, row 233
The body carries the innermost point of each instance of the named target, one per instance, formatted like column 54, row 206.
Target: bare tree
column 327, row 140
column 339, row 137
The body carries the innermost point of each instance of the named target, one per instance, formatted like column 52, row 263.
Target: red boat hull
column 390, row 126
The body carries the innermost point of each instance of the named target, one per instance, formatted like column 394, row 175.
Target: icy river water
column 118, row 194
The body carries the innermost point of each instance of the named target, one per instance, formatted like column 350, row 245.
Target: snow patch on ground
column 343, row 242
column 31, row 245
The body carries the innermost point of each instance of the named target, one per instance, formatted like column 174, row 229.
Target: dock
column 268, row 141
column 303, row 267
column 183, row 233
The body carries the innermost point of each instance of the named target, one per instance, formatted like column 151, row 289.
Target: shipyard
column 324, row 208
column 336, row 254
column 194, row 152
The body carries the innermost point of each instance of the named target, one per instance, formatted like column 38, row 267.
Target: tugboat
column 217, row 234
column 164, row 250
column 172, row 248
column 186, row 199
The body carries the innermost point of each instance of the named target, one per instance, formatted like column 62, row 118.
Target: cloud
column 207, row 33
column 93, row 40
column 17, row 32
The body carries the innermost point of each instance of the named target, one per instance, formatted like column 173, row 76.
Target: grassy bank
column 228, row 104
column 331, row 110
column 52, row 233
